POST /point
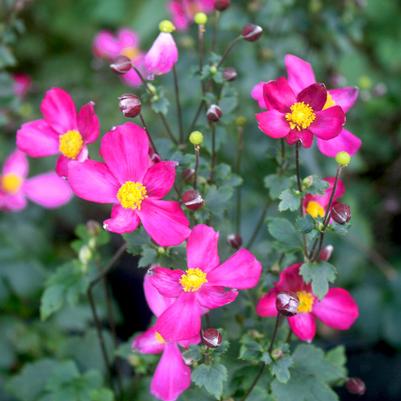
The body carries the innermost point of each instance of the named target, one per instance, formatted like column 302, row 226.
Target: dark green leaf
column 280, row 368
column 289, row 200
column 320, row 274
column 211, row 378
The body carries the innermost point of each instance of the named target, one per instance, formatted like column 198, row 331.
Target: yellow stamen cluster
column 315, row 209
column 305, row 301
column 301, row 116
column 131, row 194
column 130, row 52
column 70, row 144
column 193, row 279
column 329, row 102
column 10, row 183
column 159, row 338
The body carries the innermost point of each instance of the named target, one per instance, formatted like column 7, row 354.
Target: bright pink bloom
column 62, row 131
column 22, row 84
column 337, row 309
column 128, row 181
column 183, row 11
column 126, row 43
column 162, row 56
column 47, row 190
column 298, row 117
column 203, row 285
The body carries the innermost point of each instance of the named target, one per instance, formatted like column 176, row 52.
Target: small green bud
column 297, row 192
column 196, row 138
column 343, row 159
column 166, row 26
column 152, row 88
column 161, row 250
column 213, row 70
column 365, row 82
column 277, row 354
column 240, row 121
column 307, row 181
column 200, row 18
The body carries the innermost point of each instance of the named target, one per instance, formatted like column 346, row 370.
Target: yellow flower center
column 11, row 183
column 329, row 102
column 159, row 338
column 71, row 144
column 305, row 301
column 315, row 209
column 193, row 279
column 131, row 194
column 301, row 116
column 130, row 52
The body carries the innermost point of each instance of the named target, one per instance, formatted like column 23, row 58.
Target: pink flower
column 298, row 117
column 183, row 11
column 172, row 376
column 316, row 205
column 47, row 190
column 62, row 131
column 337, row 309
column 203, row 285
column 126, row 43
column 132, row 185
column 22, row 84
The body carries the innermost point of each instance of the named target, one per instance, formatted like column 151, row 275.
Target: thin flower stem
column 255, row 381
column 214, row 155
column 275, row 331
column 197, row 114
column 228, row 50
column 240, row 148
column 201, row 51
column 147, row 131
column 258, row 226
column 215, row 28
column 178, row 105
column 197, row 156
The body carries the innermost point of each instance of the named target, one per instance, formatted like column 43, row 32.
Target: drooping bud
column 234, row 240
column 355, row 385
column 192, row 199
column 196, row 138
column 229, row 74
column 341, row 213
column 212, row 338
column 343, row 159
column 200, row 18
column 221, row 5
column 326, row 252
column 130, row 105
column 287, row 303
column 214, row 113
column 188, row 175
column 252, row 32
column 121, row 65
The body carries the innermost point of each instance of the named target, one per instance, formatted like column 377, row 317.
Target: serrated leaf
column 211, row 378
column 250, row 349
column 281, row 368
column 149, row 256
column 305, row 224
column 276, row 184
column 160, row 105
column 318, row 186
column 282, row 230
column 289, row 201
column 320, row 274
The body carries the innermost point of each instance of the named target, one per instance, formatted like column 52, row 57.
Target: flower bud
column 307, row 182
column 121, row 65
column 287, row 303
column 343, row 159
column 326, row 252
column 252, row 32
column 355, row 385
column 188, row 175
column 221, row 5
column 155, row 158
column 166, row 26
column 200, row 18
column 192, row 199
column 212, row 338
column 130, row 105
column 341, row 213
column 240, row 121
column 213, row 69
column 277, row 353
column 234, row 240
column 196, row 138
column 214, row 113
column 93, row 227
column 229, row 74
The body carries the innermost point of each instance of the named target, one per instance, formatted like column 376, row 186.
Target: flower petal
column 166, row 281
column 48, row 190
column 106, row 45
column 125, row 151
column 300, row 73
column 273, row 123
column 210, row 296
column 337, row 309
column 164, row 221
column 122, row 220
column 344, row 142
column 127, row 38
column 304, row 136
column 329, row 123
column 303, row 326
column 37, row 139
column 241, row 271
column 278, row 95
column 92, row 181
column 266, row 306
column 16, row 163
column 202, row 248
column 156, row 301
column 147, row 343
column 172, row 376
column 257, row 94
column 315, row 95
column 59, row 110
column 131, row 78
column 345, row 97
column 13, row 203
column 160, row 178
column 290, row 279
column 162, row 56
column 88, row 123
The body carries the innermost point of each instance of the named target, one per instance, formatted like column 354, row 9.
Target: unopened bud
column 188, row 175
column 252, row 32
column 121, row 65
column 343, row 159
column 287, row 304
column 326, row 252
column 221, row 5
column 200, row 18
column 229, row 74
column 240, row 121
column 212, row 338
column 196, row 138
column 307, row 181
column 341, row 213
column 355, row 385
column 155, row 158
column 130, row 105
column 234, row 240
column 93, row 227
column 214, row 113
column 192, row 200
column 277, row 353
column 166, row 26
column 213, row 69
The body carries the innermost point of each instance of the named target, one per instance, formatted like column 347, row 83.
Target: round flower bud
column 287, row 303
column 252, row 32
column 213, row 69
column 121, row 65
column 200, row 18
column 277, row 353
column 326, row 252
column 355, row 385
column 307, row 181
column 343, row 159
column 212, row 338
column 234, row 240
column 130, row 105
column 93, row 227
column 214, row 113
column 229, row 74
column 341, row 213
column 166, row 26
column 196, row 138
column 240, row 121
column 221, row 5
column 188, row 175
column 192, row 200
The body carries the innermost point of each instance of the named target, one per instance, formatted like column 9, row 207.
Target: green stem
column 228, row 50
column 240, row 148
column 197, row 156
column 178, row 105
column 258, row 226
column 214, row 155
column 255, row 381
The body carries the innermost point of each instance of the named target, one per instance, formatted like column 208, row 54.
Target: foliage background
column 354, row 42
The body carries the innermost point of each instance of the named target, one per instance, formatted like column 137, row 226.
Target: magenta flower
column 172, row 376
column 62, row 131
column 203, row 285
column 316, row 205
column 22, row 84
column 183, row 11
column 337, row 309
column 125, row 43
column 134, row 186
column 47, row 190
column 298, row 117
